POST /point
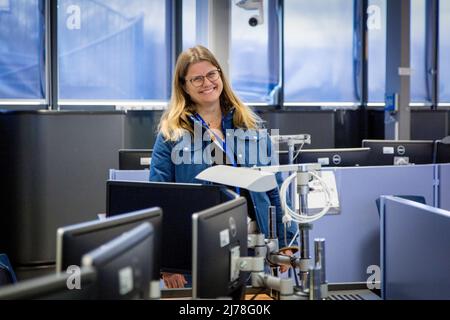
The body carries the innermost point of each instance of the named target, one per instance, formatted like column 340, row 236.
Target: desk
column 337, row 291
column 261, row 296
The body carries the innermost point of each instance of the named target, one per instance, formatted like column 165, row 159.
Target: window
column 319, row 53
column 376, row 25
column 4, row 5
column 444, row 51
column 189, row 27
column 376, row 65
column 113, row 49
column 22, row 43
column 418, row 84
column 252, row 77
column 195, row 23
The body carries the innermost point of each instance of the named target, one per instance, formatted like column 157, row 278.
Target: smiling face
column 208, row 93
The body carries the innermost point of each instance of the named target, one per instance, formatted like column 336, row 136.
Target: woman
column 204, row 107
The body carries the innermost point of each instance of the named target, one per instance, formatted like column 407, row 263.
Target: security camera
column 256, row 19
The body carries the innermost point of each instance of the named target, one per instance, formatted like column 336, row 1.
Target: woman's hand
column 173, row 280
column 285, row 268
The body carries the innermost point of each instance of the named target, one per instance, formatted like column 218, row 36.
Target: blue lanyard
column 223, row 142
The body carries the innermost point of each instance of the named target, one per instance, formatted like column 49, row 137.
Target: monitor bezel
column 48, row 285
column 124, row 152
column 379, row 142
column 114, row 251
column 224, row 195
column 101, row 224
column 208, row 213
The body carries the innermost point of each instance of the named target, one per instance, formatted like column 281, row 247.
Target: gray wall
column 54, row 168
column 425, row 124
column 141, row 128
column 328, row 129
column 429, row 125
column 319, row 124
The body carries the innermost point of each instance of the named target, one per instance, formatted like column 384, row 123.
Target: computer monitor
column 74, row 241
column 399, row 152
column 124, row 265
column 442, row 152
column 54, row 287
column 340, row 157
column 217, row 234
column 178, row 202
column 135, row 159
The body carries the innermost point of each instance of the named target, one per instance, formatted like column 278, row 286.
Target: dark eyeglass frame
column 202, row 78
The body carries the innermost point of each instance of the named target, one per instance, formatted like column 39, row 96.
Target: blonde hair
column 175, row 120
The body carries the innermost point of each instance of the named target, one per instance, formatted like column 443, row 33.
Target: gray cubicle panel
column 444, row 186
column 141, row 128
column 295, row 122
column 129, row 175
column 352, row 236
column 54, row 167
column 415, row 247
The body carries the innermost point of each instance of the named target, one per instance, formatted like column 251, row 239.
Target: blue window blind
column 377, row 51
column 189, row 26
column 418, row 52
column 113, row 49
column 22, row 44
column 195, row 23
column 319, row 52
column 376, row 65
column 444, row 51
column 251, row 74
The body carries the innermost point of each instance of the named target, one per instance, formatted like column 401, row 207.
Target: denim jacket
column 246, row 150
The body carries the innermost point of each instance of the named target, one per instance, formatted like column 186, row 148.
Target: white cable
column 289, row 214
column 298, row 152
column 283, row 192
column 294, row 238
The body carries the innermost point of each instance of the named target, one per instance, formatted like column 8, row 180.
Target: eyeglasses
column 198, row 81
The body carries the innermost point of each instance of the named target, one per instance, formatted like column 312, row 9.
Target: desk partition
column 444, row 186
column 352, row 236
column 129, row 175
column 53, row 169
column 415, row 250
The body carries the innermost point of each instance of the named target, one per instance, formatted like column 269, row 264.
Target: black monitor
column 124, row 265
column 217, row 234
column 442, row 152
column 283, row 157
column 135, row 159
column 76, row 240
column 54, row 287
column 178, row 202
column 340, row 157
column 399, row 152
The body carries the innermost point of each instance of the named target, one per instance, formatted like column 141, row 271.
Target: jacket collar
column 227, row 119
